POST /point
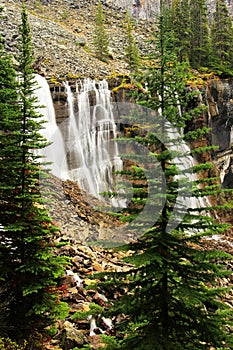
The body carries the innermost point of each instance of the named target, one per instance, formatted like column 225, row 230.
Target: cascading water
column 173, row 139
column 55, row 152
column 91, row 149
column 185, row 162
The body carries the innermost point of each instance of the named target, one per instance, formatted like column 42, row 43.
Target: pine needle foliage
column 190, row 21
column 100, row 36
column 170, row 298
column 182, row 28
column 200, row 40
column 29, row 268
column 9, row 125
column 204, row 45
column 131, row 51
column 222, row 36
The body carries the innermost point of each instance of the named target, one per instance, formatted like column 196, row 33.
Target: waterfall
column 173, row 139
column 55, row 152
column 91, row 150
column 186, row 179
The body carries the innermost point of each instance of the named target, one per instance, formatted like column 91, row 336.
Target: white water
column 186, row 179
column 173, row 138
column 54, row 153
column 93, row 154
column 225, row 166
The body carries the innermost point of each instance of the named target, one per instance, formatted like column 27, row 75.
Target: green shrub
column 8, row 344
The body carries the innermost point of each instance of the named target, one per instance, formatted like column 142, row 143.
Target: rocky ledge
column 81, row 217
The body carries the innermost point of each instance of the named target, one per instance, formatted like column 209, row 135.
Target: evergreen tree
column 170, row 299
column 182, row 27
column 100, row 36
column 200, row 43
column 222, row 35
column 29, row 267
column 9, row 143
column 131, row 50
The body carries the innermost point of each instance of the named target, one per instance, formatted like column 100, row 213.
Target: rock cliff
column 220, row 103
column 62, row 33
column 217, row 94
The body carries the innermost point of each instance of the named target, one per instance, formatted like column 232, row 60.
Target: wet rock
column 220, row 96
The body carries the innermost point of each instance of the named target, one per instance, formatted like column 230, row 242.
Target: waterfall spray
column 55, row 152
column 92, row 151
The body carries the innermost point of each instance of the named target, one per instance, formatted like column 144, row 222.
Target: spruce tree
column 100, row 36
column 200, row 42
column 131, row 50
column 170, row 298
column 182, row 27
column 222, row 36
column 9, row 143
column 29, row 266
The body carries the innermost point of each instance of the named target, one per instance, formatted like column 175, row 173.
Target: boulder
column 71, row 337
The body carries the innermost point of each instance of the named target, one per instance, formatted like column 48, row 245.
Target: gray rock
column 80, row 41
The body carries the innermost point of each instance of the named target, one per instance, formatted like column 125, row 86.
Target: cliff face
column 146, row 8
column 220, row 102
column 62, row 33
column 217, row 94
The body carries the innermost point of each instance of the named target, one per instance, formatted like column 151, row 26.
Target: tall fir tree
column 100, row 35
column 29, row 266
column 222, row 36
column 200, row 42
column 170, row 297
column 10, row 138
column 182, row 27
column 131, row 51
